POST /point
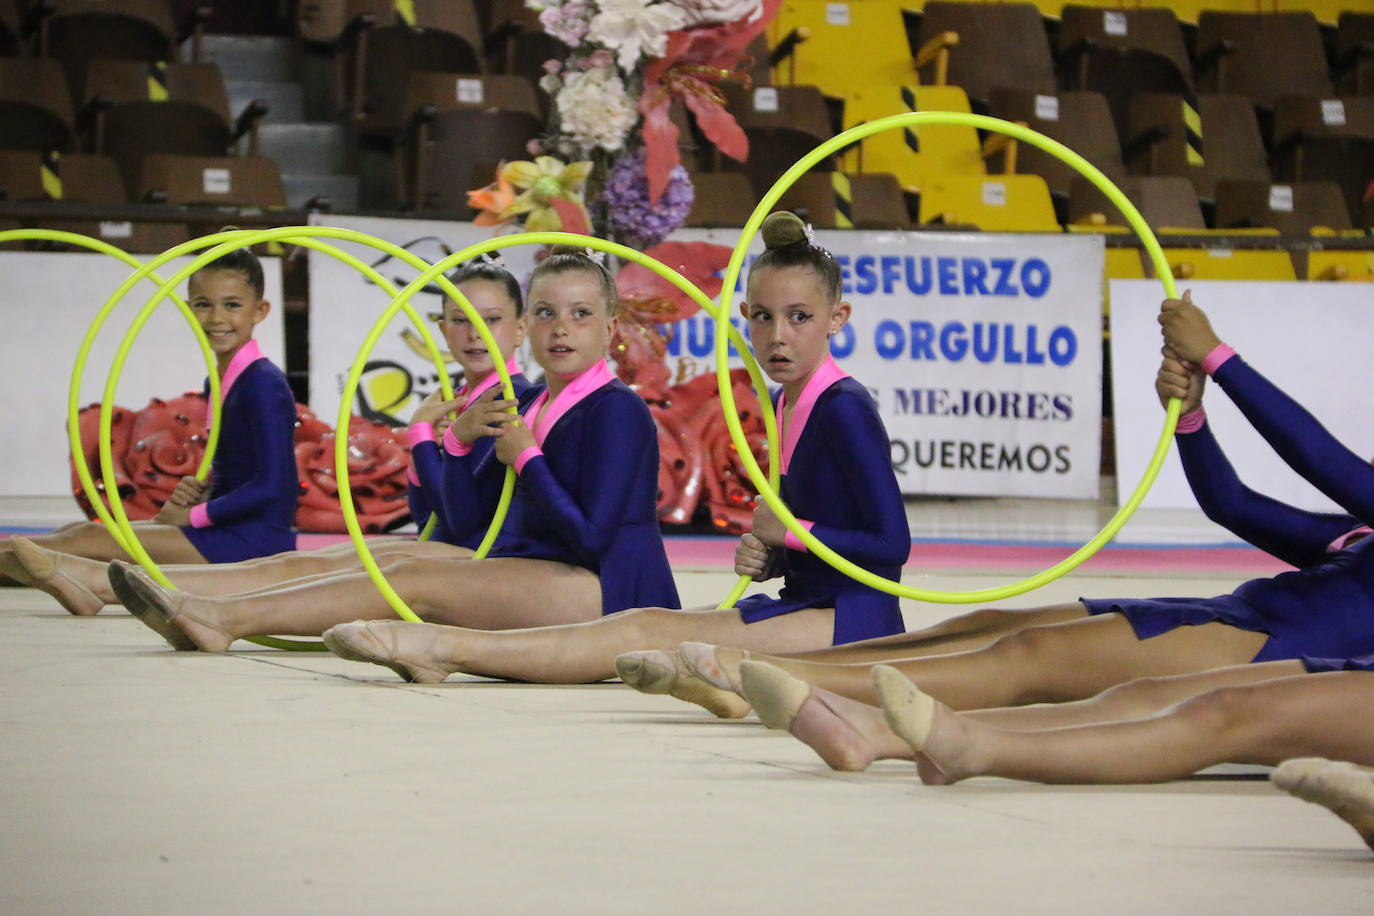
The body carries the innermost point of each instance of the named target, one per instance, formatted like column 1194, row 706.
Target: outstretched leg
column 1327, row 714
column 850, row 735
column 1053, row 663
column 577, row 653
column 494, row 593
column 974, row 630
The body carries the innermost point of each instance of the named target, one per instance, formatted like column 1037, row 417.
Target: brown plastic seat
column 838, row 200
column 783, row 124
column 1163, row 201
column 146, row 108
column 1079, row 120
column 1354, row 67
column 458, row 151
column 21, row 175
column 721, row 199
column 375, row 61
column 11, row 29
column 89, row 179
column 1297, row 207
column 77, row 31
column 1154, row 30
column 998, row 44
column 1158, row 142
column 1328, row 139
column 1119, row 52
column 133, row 236
column 1261, row 55
column 35, row 107
column 230, row 181
column 446, row 91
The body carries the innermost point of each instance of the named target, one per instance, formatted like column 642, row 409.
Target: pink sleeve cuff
column 419, row 432
column 1191, row 422
column 792, row 542
column 524, row 457
column 200, row 516
column 412, row 476
column 452, row 445
column 1220, row 354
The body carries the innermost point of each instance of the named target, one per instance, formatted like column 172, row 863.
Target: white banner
column 1310, row 339
column 48, row 300
column 982, row 350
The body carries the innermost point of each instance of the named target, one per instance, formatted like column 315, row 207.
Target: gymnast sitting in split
column 247, row 508
column 581, row 537
column 83, row 586
column 836, row 474
column 1302, row 619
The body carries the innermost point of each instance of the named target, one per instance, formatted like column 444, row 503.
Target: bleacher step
column 319, row 148
column 285, row 101
column 251, row 57
column 342, row 190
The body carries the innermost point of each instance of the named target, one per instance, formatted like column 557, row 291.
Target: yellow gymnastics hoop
column 231, row 241
column 727, row 399
column 531, row 238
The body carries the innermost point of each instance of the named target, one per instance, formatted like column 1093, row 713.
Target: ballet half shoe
column 648, row 671
column 909, row 712
column 360, row 641
column 122, row 579
column 775, row 695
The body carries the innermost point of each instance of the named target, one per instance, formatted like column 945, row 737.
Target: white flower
column 702, row 12
column 595, row 110
column 634, row 27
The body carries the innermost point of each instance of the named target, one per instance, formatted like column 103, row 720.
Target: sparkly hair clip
column 811, row 241
column 597, row 256
column 493, row 258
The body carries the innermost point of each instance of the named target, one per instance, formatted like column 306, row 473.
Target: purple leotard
column 425, row 491
column 837, row 474
column 1321, row 613
column 253, row 489
column 589, row 498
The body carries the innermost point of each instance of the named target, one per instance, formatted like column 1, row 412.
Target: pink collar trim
column 491, row 381
column 248, row 354
column 589, row 381
column 827, row 374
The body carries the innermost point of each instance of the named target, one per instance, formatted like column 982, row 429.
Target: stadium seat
column 987, row 45
column 77, row 31
column 1079, row 120
column 35, row 107
column 1261, row 56
column 1224, row 263
column 374, row 60
column 1327, row 139
column 1152, row 30
column 826, row 57
column 227, row 181
column 458, row 151
column 912, row 155
column 1002, row 203
column 1160, row 142
column 1298, row 207
column 724, row 199
column 1356, row 266
column 1354, row 65
column 838, row 200
column 1162, row 201
column 21, row 176
column 783, row 123
column 446, row 91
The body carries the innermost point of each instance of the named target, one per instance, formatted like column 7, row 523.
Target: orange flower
column 493, row 200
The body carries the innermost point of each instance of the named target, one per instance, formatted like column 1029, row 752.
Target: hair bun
column 782, row 230
column 568, row 249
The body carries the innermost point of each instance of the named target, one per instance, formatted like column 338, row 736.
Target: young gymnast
column 581, row 537
column 246, row 509
column 836, row 475
column 82, row 584
column 1322, row 610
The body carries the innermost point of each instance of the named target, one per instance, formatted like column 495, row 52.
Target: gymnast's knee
column 1139, row 697
column 1222, row 710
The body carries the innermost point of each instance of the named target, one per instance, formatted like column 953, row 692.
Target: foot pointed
column 910, row 713
column 775, row 695
column 44, row 568
column 378, row 642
